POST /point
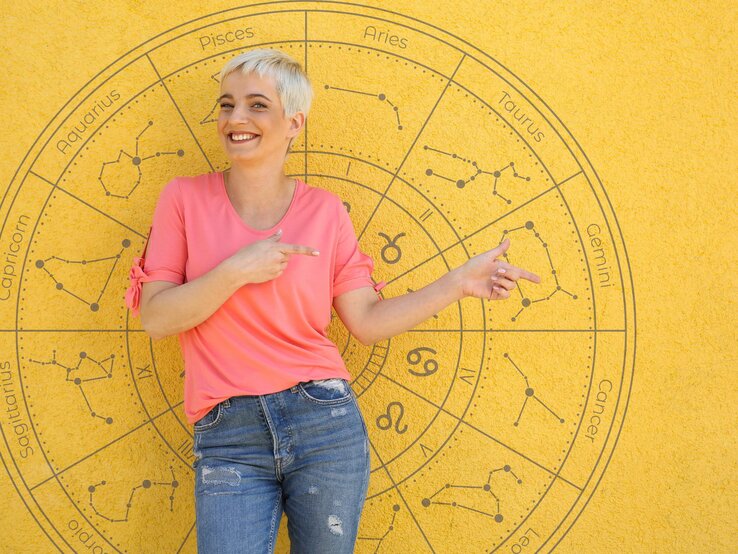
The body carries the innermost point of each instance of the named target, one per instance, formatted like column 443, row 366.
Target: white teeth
column 243, row 136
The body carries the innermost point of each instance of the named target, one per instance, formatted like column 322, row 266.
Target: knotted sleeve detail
column 137, row 277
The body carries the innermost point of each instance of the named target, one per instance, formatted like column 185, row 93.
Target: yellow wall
column 635, row 103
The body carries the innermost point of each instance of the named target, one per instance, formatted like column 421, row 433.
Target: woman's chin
column 254, row 158
column 242, row 158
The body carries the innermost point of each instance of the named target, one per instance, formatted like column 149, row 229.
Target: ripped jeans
column 304, row 450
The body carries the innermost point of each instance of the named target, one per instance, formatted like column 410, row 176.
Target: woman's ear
column 297, row 122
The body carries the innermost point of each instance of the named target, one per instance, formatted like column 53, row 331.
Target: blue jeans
column 304, row 450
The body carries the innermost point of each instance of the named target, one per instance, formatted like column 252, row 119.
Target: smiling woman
column 245, row 265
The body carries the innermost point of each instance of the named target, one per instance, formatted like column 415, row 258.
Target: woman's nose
column 239, row 113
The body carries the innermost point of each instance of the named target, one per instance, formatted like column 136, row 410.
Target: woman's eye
column 225, row 106
column 259, row 105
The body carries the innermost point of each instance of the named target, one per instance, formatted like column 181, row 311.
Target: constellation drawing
column 529, row 393
column 486, row 487
column 212, row 115
column 525, row 300
column 105, row 367
column 134, row 161
column 380, row 96
column 146, row 484
column 476, row 171
column 95, row 304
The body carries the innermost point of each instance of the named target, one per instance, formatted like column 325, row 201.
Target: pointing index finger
column 530, row 276
column 298, row 249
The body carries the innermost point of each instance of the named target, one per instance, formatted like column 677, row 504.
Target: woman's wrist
column 230, row 275
column 456, row 278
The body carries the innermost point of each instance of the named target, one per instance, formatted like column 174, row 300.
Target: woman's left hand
column 484, row 276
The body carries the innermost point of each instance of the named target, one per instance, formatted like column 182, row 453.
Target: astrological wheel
column 490, row 424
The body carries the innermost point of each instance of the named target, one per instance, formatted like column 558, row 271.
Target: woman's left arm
column 483, row 276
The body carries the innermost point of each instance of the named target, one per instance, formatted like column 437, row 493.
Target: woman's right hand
column 265, row 259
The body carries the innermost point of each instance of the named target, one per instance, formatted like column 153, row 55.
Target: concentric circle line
column 187, row 536
column 162, row 390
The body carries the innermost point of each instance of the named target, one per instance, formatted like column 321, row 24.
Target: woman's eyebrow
column 248, row 96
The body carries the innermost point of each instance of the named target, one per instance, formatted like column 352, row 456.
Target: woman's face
column 251, row 122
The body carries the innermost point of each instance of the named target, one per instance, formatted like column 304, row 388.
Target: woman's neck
column 260, row 185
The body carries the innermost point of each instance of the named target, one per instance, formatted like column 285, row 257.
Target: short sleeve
column 353, row 269
column 166, row 254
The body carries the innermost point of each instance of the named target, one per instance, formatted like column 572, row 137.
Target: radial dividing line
column 394, row 485
column 461, row 240
column 176, row 106
column 407, row 154
column 498, row 441
column 305, row 136
column 98, row 210
column 124, row 435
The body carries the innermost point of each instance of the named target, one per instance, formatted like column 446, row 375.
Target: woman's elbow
column 367, row 338
column 154, row 336
column 150, row 327
column 152, row 333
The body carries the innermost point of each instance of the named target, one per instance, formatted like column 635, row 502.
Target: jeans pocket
column 211, row 419
column 327, row 392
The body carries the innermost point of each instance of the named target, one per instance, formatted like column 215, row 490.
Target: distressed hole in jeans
column 334, row 524
column 220, row 476
column 338, row 412
column 331, row 384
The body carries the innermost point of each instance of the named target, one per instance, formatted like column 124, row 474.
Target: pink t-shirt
column 267, row 336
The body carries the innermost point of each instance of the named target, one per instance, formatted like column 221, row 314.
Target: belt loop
column 227, row 403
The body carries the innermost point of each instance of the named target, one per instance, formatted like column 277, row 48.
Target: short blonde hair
column 293, row 85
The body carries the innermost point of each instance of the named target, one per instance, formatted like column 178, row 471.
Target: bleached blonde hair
column 292, row 83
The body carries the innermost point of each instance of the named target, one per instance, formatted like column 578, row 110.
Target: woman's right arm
column 168, row 308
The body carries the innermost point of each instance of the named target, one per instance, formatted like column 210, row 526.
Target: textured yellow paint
column 647, row 90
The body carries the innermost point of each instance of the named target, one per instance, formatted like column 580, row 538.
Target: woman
column 245, row 265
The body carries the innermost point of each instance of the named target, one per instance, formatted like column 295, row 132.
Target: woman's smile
column 242, row 137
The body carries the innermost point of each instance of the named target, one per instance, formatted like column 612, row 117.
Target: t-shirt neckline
column 276, row 226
